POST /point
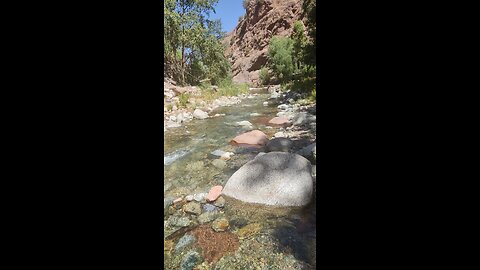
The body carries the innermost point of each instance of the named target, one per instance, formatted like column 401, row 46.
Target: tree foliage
column 280, row 52
column 193, row 50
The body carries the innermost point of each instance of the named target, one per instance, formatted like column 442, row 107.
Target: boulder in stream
column 254, row 138
column 275, row 178
column 199, row 114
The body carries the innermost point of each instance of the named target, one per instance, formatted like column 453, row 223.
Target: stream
column 285, row 237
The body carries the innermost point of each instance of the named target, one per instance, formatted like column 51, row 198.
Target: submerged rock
column 214, row 193
column 183, row 242
column 220, row 225
column 220, row 202
column 219, row 163
column 207, row 217
column 190, row 260
column 275, row 178
column 192, row 208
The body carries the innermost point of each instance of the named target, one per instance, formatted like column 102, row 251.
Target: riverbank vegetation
column 292, row 60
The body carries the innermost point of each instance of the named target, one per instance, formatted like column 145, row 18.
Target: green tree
column 299, row 43
column 192, row 42
column 280, row 51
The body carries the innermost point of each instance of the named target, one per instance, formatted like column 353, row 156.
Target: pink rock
column 281, row 120
column 214, row 193
column 254, row 137
column 177, row 200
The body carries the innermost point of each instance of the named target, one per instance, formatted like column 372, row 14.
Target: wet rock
column 166, row 203
column 184, row 241
column 220, row 202
column 214, row 193
column 219, row 163
column 199, row 114
column 168, row 245
column 275, row 178
column 207, row 217
column 254, row 137
column 279, row 120
column 174, row 221
column 190, row 260
column 244, row 124
column 227, row 156
column 209, row 207
column 200, row 197
column 192, row 208
column 308, row 151
column 279, row 145
column 195, row 166
column 249, row 230
column 220, row 225
column 218, row 153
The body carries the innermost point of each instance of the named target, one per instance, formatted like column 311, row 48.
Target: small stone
column 220, row 202
column 255, row 114
column 200, row 197
column 177, row 200
column 218, row 153
column 209, row 207
column 167, row 245
column 166, row 203
column 220, row 224
column 190, row 260
column 189, row 198
column 219, row 163
column 184, row 241
column 192, row 208
column 207, row 217
column 214, row 193
column 282, row 106
column 226, row 155
column 265, row 103
column 183, row 222
column 280, row 135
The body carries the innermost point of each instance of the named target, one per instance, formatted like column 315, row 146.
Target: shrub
column 169, row 107
column 183, row 99
column 264, row 76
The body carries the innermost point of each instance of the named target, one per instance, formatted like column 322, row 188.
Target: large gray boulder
column 275, row 178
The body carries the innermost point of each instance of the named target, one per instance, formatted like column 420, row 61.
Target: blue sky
column 228, row 11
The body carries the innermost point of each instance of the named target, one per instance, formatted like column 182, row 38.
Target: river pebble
column 192, row 208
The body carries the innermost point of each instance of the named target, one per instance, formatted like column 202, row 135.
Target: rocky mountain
column 248, row 42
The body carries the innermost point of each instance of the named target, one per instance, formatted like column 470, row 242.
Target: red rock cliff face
column 248, row 42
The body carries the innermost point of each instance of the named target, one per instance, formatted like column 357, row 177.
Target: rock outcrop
column 275, row 178
column 247, row 44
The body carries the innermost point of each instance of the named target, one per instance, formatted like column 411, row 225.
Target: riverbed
column 282, row 238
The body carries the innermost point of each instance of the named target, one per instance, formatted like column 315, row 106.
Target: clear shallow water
column 188, row 170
